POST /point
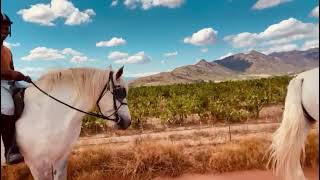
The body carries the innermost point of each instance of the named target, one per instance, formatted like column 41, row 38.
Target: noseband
column 119, row 94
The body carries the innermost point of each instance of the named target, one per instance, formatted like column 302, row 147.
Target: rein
column 117, row 119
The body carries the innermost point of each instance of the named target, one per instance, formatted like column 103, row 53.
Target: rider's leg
column 7, row 104
column 12, row 153
column 5, row 134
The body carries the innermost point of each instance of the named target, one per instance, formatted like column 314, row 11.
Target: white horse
column 48, row 130
column 301, row 111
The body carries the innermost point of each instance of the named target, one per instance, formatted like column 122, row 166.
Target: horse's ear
column 119, row 73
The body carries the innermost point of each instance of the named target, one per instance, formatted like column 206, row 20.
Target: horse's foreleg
column 41, row 172
column 60, row 169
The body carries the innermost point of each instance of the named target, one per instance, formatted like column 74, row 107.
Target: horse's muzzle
column 123, row 124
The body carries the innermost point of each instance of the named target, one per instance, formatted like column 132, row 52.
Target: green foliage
column 230, row 101
column 93, row 125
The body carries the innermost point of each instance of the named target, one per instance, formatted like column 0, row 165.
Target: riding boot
column 12, row 153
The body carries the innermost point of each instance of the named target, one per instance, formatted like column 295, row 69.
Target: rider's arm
column 12, row 74
column 11, row 63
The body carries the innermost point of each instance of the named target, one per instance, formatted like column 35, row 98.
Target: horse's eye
column 120, row 93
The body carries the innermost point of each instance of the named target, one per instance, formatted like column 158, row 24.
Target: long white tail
column 288, row 140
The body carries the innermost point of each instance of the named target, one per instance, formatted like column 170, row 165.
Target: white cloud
column 79, row 59
column 290, row 28
column 33, row 72
column 263, row 4
column 124, row 58
column 72, row 52
column 226, row 55
column 315, row 12
column 242, row 39
column 10, row 45
column 39, row 13
column 285, row 31
column 131, row 3
column 78, row 17
column 137, row 75
column 112, row 42
column 280, row 41
column 204, row 50
column 202, row 37
column 170, row 54
column 310, row 44
column 148, row 4
column 46, row 14
column 280, row 48
column 114, row 3
column 43, row 53
column 116, row 55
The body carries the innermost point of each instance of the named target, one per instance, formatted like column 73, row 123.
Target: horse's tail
column 288, row 140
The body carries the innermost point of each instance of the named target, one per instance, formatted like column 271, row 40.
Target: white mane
column 86, row 82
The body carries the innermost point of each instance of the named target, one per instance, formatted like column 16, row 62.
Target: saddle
column 18, row 99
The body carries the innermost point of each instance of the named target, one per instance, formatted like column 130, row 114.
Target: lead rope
column 88, row 113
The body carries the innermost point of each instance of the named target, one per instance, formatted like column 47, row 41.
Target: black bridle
column 119, row 94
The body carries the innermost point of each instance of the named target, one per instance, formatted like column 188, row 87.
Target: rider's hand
column 27, row 79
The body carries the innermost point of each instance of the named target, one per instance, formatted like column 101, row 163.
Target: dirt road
column 220, row 134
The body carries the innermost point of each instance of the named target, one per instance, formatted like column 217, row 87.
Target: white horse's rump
column 288, row 140
column 47, row 130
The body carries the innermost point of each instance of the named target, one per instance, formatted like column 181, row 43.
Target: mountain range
column 239, row 66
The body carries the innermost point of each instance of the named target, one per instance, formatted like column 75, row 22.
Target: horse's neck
column 51, row 107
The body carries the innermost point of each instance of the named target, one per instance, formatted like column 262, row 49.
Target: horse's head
column 113, row 100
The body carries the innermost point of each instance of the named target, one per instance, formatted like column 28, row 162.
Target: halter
column 119, row 93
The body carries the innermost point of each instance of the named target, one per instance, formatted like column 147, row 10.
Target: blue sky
column 150, row 36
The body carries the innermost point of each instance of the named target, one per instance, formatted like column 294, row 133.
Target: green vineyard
column 230, row 101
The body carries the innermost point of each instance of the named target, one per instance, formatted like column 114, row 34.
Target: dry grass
column 147, row 159
column 312, row 150
column 241, row 155
column 17, row 172
column 143, row 161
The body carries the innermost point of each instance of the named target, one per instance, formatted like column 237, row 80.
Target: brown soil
column 218, row 134
column 311, row 174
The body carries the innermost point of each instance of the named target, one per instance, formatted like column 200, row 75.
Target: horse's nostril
column 124, row 124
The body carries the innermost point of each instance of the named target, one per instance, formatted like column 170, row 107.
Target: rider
column 8, row 78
